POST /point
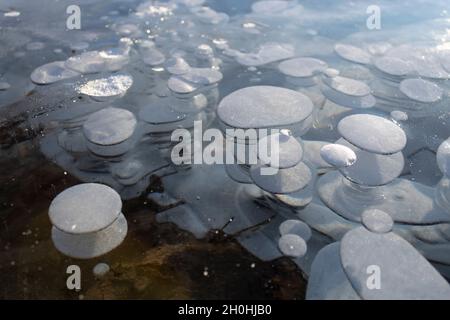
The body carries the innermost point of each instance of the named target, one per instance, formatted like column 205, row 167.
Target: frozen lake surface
column 362, row 113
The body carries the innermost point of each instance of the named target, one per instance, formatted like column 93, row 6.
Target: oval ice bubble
column 421, row 90
column 350, row 87
column 85, row 208
column 91, row 245
column 393, row 66
column 4, row 86
column 405, row 273
column 191, row 3
column 87, row 62
column 193, row 105
column 153, row 57
column 79, row 46
column 264, row 107
column 202, row 76
column 270, row 6
column 443, row 157
column 444, row 58
column 331, row 73
column 268, row 52
column 127, row 169
column 302, row 67
column 338, row 156
column 431, row 69
column 204, row 51
column 150, row 54
column 371, row 169
column 109, row 126
column 379, row 48
column 208, row 15
column 236, row 173
column 100, row 270
column 372, row 133
column 52, row 72
column 281, row 181
column 377, row 221
column 295, row 227
column 127, row 30
column 98, row 61
column 178, row 85
column 312, row 154
column 37, row 45
column 12, row 14
column 115, row 58
column 177, row 66
column 352, row 53
column 292, row 246
column 344, row 100
column 280, row 150
column 398, row 115
column 160, row 112
column 328, row 280
column 299, row 199
column 107, row 88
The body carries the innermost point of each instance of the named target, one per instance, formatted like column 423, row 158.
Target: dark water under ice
column 157, row 261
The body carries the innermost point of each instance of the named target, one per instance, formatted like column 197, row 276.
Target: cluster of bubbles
column 357, row 127
column 340, row 270
column 107, row 139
